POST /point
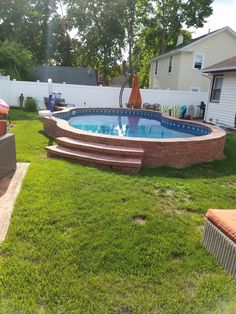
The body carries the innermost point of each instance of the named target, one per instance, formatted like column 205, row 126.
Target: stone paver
column 9, row 189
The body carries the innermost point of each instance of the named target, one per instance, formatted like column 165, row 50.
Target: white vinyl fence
column 94, row 96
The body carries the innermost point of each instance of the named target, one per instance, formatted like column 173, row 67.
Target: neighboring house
column 180, row 67
column 221, row 107
column 118, row 81
column 69, row 75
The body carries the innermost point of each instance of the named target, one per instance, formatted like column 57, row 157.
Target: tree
column 35, row 24
column 34, row 31
column 61, row 50
column 160, row 29
column 15, row 61
column 130, row 24
column 100, row 33
column 63, row 47
column 172, row 16
column 104, row 29
column 134, row 15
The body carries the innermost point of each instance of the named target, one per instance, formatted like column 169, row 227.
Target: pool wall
column 174, row 152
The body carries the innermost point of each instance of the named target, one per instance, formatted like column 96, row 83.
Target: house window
column 170, row 66
column 156, row 68
column 216, row 88
column 198, row 62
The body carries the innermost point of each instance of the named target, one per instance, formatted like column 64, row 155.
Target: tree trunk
column 130, row 29
column 105, row 70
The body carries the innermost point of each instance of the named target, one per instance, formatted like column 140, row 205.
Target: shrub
column 30, row 104
column 16, row 61
column 165, row 108
column 176, row 111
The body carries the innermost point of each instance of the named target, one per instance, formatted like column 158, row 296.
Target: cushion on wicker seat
column 225, row 220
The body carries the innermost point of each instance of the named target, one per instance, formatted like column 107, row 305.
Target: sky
column 224, row 14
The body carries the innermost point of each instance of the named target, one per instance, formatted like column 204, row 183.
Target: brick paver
column 9, row 189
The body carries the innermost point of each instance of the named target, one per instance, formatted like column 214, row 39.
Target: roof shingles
column 184, row 44
column 227, row 64
column 179, row 47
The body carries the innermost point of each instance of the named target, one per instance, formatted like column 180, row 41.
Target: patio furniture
column 58, row 105
column 190, row 111
column 219, row 237
column 8, row 154
column 202, row 109
column 183, row 111
column 148, row 106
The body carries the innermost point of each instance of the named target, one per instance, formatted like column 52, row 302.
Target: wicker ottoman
column 219, row 237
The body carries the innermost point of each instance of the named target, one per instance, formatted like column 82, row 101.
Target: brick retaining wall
column 176, row 153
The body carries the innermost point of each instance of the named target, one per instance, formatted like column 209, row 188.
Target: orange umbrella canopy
column 135, row 99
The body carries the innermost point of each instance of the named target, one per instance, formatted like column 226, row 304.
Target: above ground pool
column 131, row 123
column 126, row 126
column 153, row 138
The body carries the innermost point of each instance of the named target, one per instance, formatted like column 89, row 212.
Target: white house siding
column 225, row 110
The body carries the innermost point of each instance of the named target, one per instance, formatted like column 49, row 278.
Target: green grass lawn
column 73, row 246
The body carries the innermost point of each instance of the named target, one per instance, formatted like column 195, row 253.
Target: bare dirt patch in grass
column 174, row 211
column 140, row 219
column 124, row 310
column 168, row 193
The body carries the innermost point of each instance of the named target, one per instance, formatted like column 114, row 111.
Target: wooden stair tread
column 97, row 146
column 94, row 157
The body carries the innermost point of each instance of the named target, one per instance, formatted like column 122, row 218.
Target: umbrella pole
column 122, row 90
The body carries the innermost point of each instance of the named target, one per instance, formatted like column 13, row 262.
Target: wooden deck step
column 98, row 148
column 122, row 163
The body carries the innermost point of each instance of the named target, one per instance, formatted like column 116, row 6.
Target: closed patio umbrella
column 135, row 99
column 4, row 108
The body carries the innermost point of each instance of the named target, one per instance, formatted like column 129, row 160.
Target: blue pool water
column 125, row 126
